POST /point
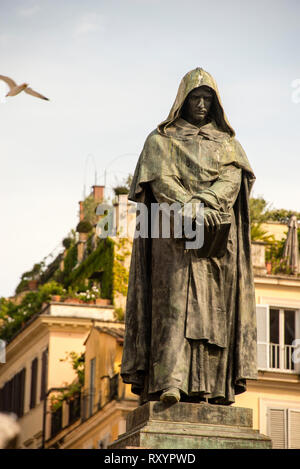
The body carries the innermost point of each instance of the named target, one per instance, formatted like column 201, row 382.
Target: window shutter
column 34, row 367
column 15, row 394
column 22, row 378
column 44, row 381
column 277, row 427
column 263, row 326
column 296, row 354
column 294, row 428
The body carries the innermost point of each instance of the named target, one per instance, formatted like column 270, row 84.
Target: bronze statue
column 190, row 319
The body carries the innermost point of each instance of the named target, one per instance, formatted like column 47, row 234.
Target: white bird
column 16, row 89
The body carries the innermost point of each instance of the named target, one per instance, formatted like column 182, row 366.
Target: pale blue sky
column 111, row 69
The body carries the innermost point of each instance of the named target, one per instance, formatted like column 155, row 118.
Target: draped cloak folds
column 190, row 321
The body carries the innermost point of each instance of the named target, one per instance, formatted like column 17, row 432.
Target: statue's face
column 197, row 105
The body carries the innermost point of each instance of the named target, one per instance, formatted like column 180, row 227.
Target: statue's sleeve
column 169, row 189
column 222, row 194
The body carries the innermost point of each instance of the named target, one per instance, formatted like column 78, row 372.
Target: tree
column 258, row 215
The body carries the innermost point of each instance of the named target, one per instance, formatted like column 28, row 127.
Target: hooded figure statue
column 190, row 320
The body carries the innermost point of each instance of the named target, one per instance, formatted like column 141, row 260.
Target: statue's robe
column 190, row 321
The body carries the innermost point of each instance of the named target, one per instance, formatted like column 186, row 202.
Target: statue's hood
column 194, row 79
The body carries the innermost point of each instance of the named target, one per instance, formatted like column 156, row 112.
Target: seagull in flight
column 16, row 89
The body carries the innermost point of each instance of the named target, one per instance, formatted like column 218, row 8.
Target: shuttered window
column 294, row 428
column 44, row 378
column 21, row 390
column 34, row 369
column 262, row 319
column 13, row 394
column 277, row 428
column 284, row 428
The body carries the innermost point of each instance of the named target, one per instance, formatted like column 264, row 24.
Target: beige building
column 96, row 417
column 33, row 363
column 105, row 400
column 275, row 396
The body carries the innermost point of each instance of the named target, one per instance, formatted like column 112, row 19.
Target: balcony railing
column 88, row 403
column 74, row 408
column 85, row 404
column 281, row 357
column 56, row 422
column 114, row 387
column 91, row 402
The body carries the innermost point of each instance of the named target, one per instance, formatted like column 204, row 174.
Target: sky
column 111, row 69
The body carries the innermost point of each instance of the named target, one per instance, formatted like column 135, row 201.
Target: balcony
column 281, row 357
column 91, row 402
column 56, row 422
column 83, row 406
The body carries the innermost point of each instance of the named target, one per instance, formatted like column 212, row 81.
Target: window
column 13, row 394
column 34, row 368
column 277, row 328
column 284, row 427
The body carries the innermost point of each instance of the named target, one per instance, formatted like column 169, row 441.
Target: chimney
column 98, row 193
column 81, row 214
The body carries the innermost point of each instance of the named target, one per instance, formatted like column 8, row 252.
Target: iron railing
column 83, row 405
column 74, row 408
column 56, row 422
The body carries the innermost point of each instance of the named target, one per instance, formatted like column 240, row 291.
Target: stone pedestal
column 155, row 425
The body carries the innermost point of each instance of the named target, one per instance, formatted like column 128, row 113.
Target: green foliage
column 22, row 286
column 274, row 254
column 78, row 365
column 15, row 316
column 261, row 211
column 84, row 226
column 67, row 243
column 258, row 234
column 70, row 262
column 119, row 314
column 33, row 274
column 124, row 186
column 101, row 259
column 258, row 210
column 258, row 215
column 89, row 209
column 121, row 190
column 51, row 269
column 121, row 277
column 121, row 274
column 89, row 294
column 282, row 215
column 89, row 245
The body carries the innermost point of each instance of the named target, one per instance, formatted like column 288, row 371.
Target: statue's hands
column 212, row 219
